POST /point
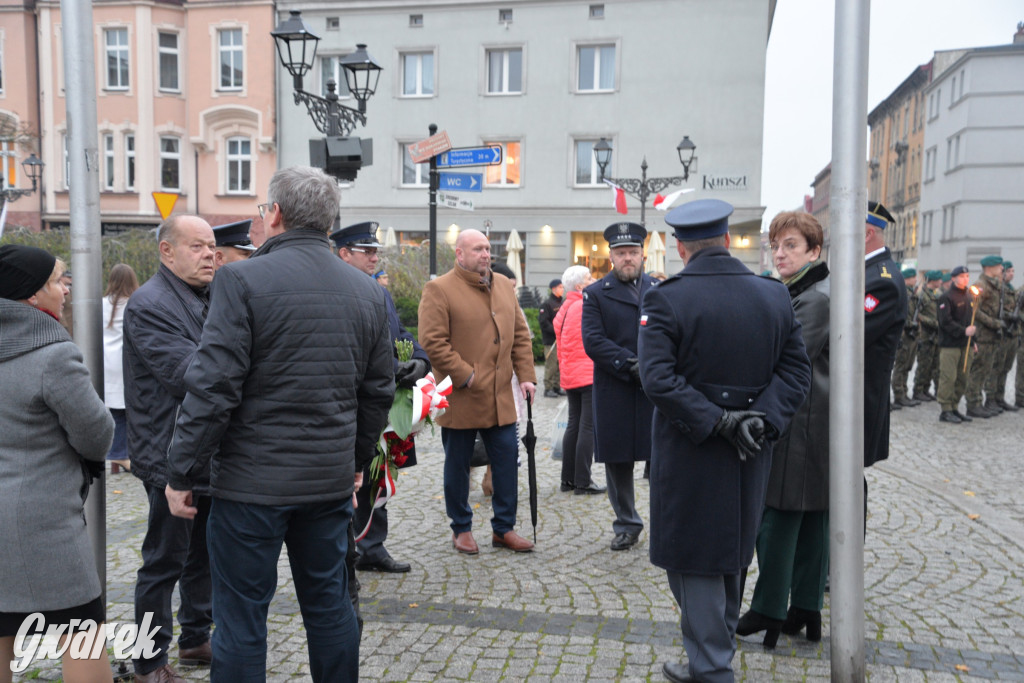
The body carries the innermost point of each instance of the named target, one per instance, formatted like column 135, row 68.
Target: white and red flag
column 664, row 203
column 620, row 197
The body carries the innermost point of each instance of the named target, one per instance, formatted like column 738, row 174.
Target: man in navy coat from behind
column 723, row 361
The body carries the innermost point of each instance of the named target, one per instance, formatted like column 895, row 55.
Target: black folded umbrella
column 530, row 441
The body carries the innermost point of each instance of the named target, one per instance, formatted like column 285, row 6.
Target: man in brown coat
column 472, row 329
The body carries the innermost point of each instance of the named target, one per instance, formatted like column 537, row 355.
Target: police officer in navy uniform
column 622, row 413
column 233, row 243
column 358, row 246
column 720, row 403
column 885, row 313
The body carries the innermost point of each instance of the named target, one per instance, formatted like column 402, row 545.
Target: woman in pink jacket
column 577, row 378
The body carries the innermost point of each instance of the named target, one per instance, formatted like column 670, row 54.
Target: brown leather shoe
column 465, row 543
column 512, row 541
column 165, row 674
column 201, row 655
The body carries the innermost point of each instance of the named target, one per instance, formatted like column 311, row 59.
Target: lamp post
column 296, row 48
column 34, row 170
column 644, row 187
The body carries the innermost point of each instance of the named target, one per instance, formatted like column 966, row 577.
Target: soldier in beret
column 1007, row 352
column 908, row 343
column 622, row 413
column 233, row 243
column 720, row 404
column 991, row 330
column 928, row 343
column 358, row 246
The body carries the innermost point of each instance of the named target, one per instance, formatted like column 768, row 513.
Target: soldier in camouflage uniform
column 989, row 336
column 1010, row 343
column 908, row 344
column 1019, row 383
column 947, row 281
column 928, row 340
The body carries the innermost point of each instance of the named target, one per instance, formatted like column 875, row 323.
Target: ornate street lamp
column 296, row 48
column 34, row 170
column 644, row 187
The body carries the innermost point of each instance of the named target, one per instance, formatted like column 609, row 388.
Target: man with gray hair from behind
column 287, row 395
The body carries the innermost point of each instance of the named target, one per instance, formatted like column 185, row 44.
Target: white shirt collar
column 876, row 252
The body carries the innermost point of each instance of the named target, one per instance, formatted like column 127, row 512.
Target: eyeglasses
column 263, row 208
column 371, row 251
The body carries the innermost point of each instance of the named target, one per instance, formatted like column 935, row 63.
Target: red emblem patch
column 870, row 303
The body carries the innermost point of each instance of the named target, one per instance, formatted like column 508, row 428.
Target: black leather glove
column 744, row 429
column 634, row 368
column 409, row 372
column 93, row 469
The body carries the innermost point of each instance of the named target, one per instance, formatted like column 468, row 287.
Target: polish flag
column 620, row 197
column 664, row 203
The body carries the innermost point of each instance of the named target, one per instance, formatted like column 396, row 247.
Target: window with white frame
column 595, row 68
column 108, row 161
column 413, row 174
column 129, row 161
column 330, row 67
column 417, row 74
column 168, row 50
column 505, row 71
column 9, row 167
column 587, row 171
column 170, row 163
column 116, row 43
column 929, row 163
column 926, row 229
column 239, row 158
column 232, row 58
column 952, row 92
column 963, row 76
column 509, row 172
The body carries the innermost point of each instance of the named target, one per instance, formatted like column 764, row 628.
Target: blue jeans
column 503, row 451
column 245, row 544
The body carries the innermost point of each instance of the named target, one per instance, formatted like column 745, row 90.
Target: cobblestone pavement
column 944, row 591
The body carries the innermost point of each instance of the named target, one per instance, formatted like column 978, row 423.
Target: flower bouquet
column 411, row 412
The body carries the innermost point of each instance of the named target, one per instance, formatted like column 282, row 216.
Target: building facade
column 972, row 198
column 546, row 81
column 185, row 105
column 894, row 167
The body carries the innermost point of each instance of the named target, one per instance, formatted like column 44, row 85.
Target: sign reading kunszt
column 725, row 182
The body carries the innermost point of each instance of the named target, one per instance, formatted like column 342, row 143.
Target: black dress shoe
column 550, row 393
column 677, row 673
column 624, row 540
column 950, row 417
column 566, row 486
column 590, row 489
column 907, row 402
column 978, row 412
column 895, row 406
column 754, row 622
column 993, row 407
column 923, row 397
column 388, row 565
column 963, row 418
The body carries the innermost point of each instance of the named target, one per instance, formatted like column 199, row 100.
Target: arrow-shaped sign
column 461, row 182
column 470, row 156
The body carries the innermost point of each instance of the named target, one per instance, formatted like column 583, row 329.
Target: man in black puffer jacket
column 287, row 396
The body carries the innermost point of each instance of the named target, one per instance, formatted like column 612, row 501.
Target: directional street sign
column 432, row 146
column 470, row 156
column 454, row 201
column 461, row 182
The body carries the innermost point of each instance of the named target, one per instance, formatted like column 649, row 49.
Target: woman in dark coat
column 792, row 543
column 54, row 432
